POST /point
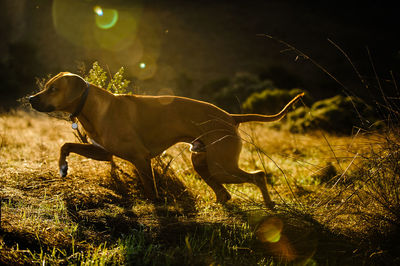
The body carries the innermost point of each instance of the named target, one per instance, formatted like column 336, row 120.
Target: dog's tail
column 266, row 118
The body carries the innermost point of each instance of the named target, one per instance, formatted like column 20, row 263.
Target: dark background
column 189, row 44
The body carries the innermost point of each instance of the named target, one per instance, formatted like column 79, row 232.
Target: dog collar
column 80, row 107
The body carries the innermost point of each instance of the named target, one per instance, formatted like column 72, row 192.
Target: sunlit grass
column 97, row 215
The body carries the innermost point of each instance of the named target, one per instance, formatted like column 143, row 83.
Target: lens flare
column 105, row 18
column 98, row 10
column 283, row 249
column 94, row 26
column 166, row 92
column 147, row 67
column 270, row 230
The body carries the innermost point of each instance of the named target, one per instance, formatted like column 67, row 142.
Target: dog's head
column 60, row 93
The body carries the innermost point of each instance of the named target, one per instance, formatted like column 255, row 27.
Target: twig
column 283, row 173
column 252, row 142
column 337, row 181
column 377, row 78
column 333, row 152
column 395, row 83
column 351, row 62
column 305, row 56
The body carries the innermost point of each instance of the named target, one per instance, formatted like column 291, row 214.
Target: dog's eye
column 52, row 89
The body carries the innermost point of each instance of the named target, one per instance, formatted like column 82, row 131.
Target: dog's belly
column 156, row 148
column 199, row 137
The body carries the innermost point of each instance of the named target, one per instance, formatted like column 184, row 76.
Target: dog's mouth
column 35, row 103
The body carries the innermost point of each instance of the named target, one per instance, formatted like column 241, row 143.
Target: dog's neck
column 81, row 103
column 97, row 103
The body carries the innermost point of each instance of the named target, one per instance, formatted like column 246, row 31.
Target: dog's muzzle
column 37, row 105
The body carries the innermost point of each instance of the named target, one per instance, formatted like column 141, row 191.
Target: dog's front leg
column 146, row 176
column 88, row 150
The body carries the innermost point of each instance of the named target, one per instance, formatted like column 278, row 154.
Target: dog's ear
column 74, row 81
column 54, row 78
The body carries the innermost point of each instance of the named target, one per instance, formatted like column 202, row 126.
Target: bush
column 209, row 91
column 338, row 114
column 270, row 101
column 117, row 84
column 380, row 177
column 230, row 94
column 376, row 185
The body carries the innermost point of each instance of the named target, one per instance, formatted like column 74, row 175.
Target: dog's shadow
column 174, row 198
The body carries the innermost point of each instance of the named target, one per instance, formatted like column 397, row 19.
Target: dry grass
column 69, row 220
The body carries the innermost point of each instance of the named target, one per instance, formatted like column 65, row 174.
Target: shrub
column 269, row 100
column 229, row 94
column 117, row 84
column 338, row 114
column 380, row 177
column 211, row 89
column 376, row 188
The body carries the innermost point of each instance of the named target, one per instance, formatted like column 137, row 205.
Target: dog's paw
column 64, row 170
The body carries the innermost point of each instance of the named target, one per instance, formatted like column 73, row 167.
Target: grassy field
column 331, row 209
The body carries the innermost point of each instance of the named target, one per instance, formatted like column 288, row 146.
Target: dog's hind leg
column 199, row 161
column 222, row 159
column 238, row 176
column 88, row 150
column 260, row 180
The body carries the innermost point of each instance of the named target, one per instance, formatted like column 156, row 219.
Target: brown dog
column 138, row 128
